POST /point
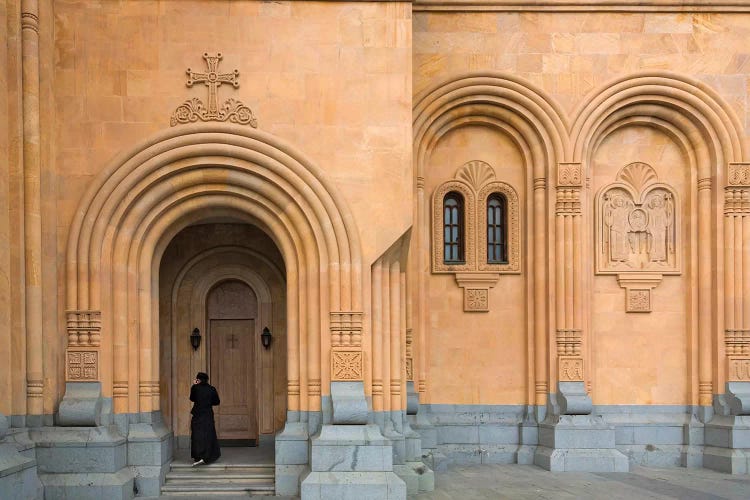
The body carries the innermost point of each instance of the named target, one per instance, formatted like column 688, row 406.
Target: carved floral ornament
column 232, row 110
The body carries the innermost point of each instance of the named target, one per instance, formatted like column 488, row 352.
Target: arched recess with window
column 520, row 131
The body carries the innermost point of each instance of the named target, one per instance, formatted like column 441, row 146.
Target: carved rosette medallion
column 346, row 365
column 232, row 110
column 476, row 290
column 638, row 224
column 476, row 299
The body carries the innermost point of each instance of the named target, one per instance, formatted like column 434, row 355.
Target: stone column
column 32, row 211
column 350, row 457
column 570, row 438
column 727, row 435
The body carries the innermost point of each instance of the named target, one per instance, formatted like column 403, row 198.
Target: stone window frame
column 512, row 229
column 475, row 226
column 460, row 242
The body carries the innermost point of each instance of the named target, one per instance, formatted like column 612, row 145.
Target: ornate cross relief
column 637, row 233
column 231, row 110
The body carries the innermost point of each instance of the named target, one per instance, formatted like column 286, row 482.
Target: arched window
column 497, row 229
column 453, row 228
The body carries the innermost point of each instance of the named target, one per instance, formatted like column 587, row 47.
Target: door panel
column 232, row 372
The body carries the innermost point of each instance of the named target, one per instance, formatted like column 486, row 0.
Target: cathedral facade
column 396, row 235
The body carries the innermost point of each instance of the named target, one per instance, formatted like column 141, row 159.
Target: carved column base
column 349, row 403
column 638, row 290
column 83, row 406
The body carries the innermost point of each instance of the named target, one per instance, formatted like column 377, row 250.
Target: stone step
column 224, row 468
column 213, row 478
column 218, row 489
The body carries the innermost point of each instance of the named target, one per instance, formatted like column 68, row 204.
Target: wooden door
column 232, row 373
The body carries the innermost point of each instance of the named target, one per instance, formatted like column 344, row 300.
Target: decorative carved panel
column 569, row 342
column 476, row 182
column 739, row 370
column 476, row 290
column 569, row 174
column 82, row 365
column 346, row 329
column 570, row 369
column 638, row 300
column 637, row 224
column 346, row 365
column 232, row 110
column 739, row 174
column 638, row 289
column 84, row 328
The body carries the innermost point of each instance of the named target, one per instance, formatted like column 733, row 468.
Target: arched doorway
column 227, row 280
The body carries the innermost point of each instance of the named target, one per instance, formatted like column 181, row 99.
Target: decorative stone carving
column 346, row 329
column 476, row 182
column 569, row 342
column 739, row 370
column 82, row 365
column 570, row 369
column 409, row 354
column 739, row 174
column 231, row 110
column 84, row 328
column 477, row 290
column 346, row 365
column 638, row 224
column 569, row 174
column 737, row 344
column 638, row 290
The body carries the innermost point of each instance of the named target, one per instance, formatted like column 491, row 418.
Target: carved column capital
column 570, row 174
column 738, row 174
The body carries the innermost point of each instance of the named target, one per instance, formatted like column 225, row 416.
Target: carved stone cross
column 231, row 110
column 213, row 79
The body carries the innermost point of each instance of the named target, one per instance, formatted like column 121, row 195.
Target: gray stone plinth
column 351, row 461
column 353, row 485
column 18, row 475
column 728, row 444
column 412, row 398
column 572, row 398
column 149, row 454
column 349, row 403
column 738, row 397
column 81, row 405
column 91, row 486
column 580, row 443
column 78, row 450
column 409, row 476
column 424, row 474
column 292, row 457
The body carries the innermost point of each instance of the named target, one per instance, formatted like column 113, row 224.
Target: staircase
column 219, row 479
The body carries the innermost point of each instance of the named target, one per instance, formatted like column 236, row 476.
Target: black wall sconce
column 266, row 337
column 195, row 339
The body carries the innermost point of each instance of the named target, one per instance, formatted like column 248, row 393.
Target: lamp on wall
column 195, row 339
column 266, row 337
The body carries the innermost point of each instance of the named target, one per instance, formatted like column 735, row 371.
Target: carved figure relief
column 231, row 110
column 637, row 224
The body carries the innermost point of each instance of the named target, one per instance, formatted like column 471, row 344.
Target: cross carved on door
column 232, row 339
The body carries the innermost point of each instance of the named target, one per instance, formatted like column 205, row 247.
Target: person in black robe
column 204, row 445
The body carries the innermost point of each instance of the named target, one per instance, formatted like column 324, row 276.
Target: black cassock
column 203, row 442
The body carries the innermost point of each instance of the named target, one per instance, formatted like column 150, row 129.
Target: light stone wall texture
column 570, row 56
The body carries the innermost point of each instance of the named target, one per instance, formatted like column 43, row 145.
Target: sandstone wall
column 637, row 358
